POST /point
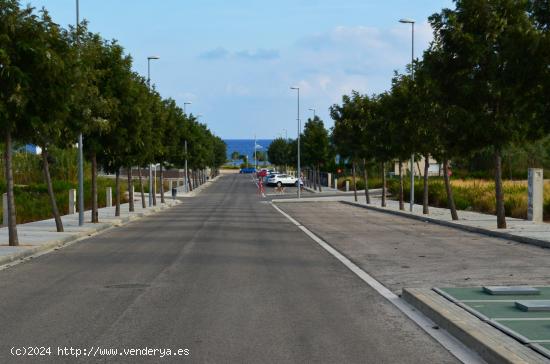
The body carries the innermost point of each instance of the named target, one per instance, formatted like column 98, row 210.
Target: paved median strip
column 444, row 338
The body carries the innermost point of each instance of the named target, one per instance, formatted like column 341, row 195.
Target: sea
column 245, row 147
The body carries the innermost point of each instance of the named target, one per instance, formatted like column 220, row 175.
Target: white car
column 282, row 179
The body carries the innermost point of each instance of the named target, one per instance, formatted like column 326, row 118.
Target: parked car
column 248, row 170
column 281, row 180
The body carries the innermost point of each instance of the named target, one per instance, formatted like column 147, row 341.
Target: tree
column 20, row 35
column 279, row 152
column 346, row 133
column 261, row 156
column 315, row 151
column 51, row 79
column 483, row 45
column 234, row 156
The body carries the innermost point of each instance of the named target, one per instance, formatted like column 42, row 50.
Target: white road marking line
column 448, row 341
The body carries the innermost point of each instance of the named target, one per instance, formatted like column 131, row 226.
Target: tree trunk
column 161, row 184
column 8, row 168
column 366, row 177
column 141, row 189
column 189, row 181
column 425, row 200
column 401, row 202
column 319, row 176
column 51, row 194
column 117, row 192
column 449, row 189
column 354, row 180
column 384, row 188
column 95, row 217
column 130, row 190
column 501, row 217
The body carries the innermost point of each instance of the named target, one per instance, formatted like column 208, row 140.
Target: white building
column 435, row 169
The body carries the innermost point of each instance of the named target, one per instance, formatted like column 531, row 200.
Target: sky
column 235, row 61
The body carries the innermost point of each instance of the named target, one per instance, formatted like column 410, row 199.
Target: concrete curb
column 491, row 344
column 472, row 229
column 100, row 227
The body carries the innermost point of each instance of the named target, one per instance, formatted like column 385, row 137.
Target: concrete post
column 347, row 185
column 335, row 183
column 72, row 201
column 535, row 192
column 5, row 209
column 170, row 185
column 109, row 197
column 329, row 180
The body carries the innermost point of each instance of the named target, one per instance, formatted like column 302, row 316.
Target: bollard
column 72, row 201
column 5, row 209
column 109, row 197
column 335, row 183
column 170, row 185
column 535, row 193
column 329, row 180
column 347, row 185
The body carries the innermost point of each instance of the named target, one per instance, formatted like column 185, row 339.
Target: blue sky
column 235, row 60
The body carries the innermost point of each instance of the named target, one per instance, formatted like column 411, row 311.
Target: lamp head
column 153, row 57
column 407, row 21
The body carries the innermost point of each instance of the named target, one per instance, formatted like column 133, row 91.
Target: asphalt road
column 222, row 275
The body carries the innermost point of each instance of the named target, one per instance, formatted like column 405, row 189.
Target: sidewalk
column 518, row 230
column 181, row 189
column 40, row 236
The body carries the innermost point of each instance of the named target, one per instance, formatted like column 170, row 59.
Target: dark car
column 248, row 170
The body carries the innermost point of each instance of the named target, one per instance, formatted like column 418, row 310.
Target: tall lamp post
column 312, row 109
column 151, row 192
column 184, row 105
column 80, row 146
column 411, row 22
column 299, row 171
column 186, row 182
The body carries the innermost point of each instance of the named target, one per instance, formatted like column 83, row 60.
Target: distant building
column 435, row 169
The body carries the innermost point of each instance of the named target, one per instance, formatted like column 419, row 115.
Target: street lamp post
column 299, row 171
column 186, row 182
column 411, row 22
column 312, row 109
column 186, row 176
column 185, row 104
column 151, row 192
column 255, row 160
column 80, row 146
